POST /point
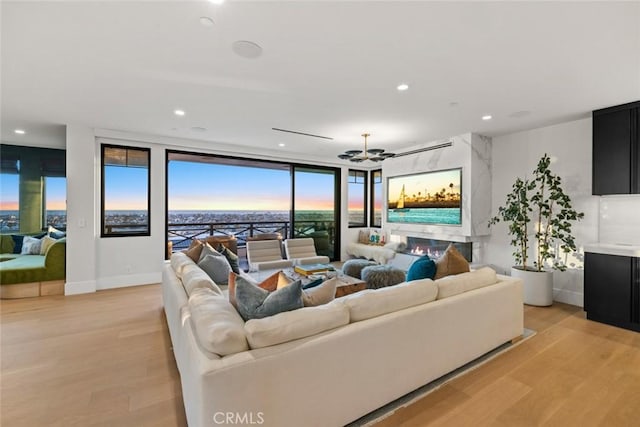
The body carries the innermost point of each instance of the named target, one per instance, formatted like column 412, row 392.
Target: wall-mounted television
column 426, row 198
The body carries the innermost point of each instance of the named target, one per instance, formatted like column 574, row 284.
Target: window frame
column 372, row 206
column 103, row 232
column 365, row 189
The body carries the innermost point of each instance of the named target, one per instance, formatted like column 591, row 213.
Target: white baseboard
column 128, row 280
column 568, row 297
column 85, row 287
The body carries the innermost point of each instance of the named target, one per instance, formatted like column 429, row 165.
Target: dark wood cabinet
column 616, row 150
column 612, row 290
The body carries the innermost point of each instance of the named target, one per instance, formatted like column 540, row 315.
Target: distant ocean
column 448, row 216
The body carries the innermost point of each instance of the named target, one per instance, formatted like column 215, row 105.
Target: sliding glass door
column 316, row 208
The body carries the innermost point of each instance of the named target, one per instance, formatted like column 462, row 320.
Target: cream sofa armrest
column 270, row 265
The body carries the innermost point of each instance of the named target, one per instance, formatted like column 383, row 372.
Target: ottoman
column 353, row 267
column 380, row 276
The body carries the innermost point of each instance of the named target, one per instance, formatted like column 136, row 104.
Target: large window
column 125, row 191
column 357, row 201
column 9, row 209
column 56, row 202
column 229, row 196
column 376, row 198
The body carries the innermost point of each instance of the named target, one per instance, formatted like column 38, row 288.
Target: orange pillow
column 195, row 249
column 269, row 284
column 451, row 262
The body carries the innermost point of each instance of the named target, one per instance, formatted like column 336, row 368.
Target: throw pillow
column 194, row 250
column 47, row 242
column 231, row 257
column 217, row 267
column 30, row 246
column 17, row 243
column 321, row 294
column 256, row 303
column 208, row 250
column 55, row 233
column 451, row 262
column 423, row 268
column 363, row 236
column 269, row 284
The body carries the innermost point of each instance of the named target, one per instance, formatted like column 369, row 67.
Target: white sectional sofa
column 378, row 345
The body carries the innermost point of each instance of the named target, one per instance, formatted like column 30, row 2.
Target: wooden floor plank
column 105, row 359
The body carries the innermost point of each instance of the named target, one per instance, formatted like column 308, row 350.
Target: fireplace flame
column 417, row 250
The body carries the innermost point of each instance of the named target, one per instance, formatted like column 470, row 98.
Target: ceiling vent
column 302, row 133
column 422, row 150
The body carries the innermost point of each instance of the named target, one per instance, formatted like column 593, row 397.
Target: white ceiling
column 327, row 68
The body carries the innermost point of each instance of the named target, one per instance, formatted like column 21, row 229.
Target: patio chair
column 266, row 255
column 303, row 251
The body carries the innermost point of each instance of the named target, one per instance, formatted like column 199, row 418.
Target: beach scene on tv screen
column 425, row 198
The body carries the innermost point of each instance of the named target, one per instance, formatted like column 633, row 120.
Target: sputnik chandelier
column 373, row 154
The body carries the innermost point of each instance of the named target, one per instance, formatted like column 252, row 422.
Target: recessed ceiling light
column 216, row 1
column 246, row 49
column 179, row 112
column 487, row 117
column 19, row 131
column 403, row 87
column 205, row 21
column 281, row 144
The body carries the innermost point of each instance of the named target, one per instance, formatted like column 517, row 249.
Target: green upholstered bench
column 32, row 275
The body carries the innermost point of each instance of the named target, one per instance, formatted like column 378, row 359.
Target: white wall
column 620, row 220
column 95, row 263
column 516, row 155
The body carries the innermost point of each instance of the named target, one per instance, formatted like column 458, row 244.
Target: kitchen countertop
column 621, row 249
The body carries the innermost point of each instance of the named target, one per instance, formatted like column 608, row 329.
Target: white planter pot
column 538, row 286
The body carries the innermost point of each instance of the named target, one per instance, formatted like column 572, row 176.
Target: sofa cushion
column 296, row 324
column 30, row 246
column 480, row 278
column 451, row 262
column 423, row 268
column 450, row 286
column 178, row 261
column 372, row 303
column 324, row 293
column 193, row 277
column 453, row 285
column 218, row 326
column 46, row 243
column 17, row 243
column 231, row 257
column 216, row 266
column 364, row 236
column 255, row 303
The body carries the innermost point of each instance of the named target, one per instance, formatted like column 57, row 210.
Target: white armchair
column 303, row 251
column 265, row 255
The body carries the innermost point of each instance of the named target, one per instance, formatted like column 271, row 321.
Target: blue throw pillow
column 17, row 243
column 55, row 233
column 256, row 303
column 423, row 268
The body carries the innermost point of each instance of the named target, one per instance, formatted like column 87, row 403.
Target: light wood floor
column 105, row 359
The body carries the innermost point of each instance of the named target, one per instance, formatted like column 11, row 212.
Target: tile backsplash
column 620, row 220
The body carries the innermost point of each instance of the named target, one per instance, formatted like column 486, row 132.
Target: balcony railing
column 181, row 234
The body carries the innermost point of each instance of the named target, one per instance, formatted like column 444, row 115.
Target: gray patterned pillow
column 256, row 303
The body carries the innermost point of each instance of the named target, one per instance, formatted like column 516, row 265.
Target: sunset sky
column 201, row 186
column 55, row 193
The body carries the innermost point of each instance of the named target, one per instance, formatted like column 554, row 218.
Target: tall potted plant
column 540, row 199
